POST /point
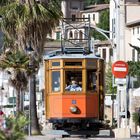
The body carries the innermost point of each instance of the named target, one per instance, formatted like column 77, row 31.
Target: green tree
column 109, row 81
column 103, row 24
column 134, row 71
column 88, row 2
column 27, row 23
column 134, row 67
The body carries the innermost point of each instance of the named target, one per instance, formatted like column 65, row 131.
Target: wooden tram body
column 79, row 109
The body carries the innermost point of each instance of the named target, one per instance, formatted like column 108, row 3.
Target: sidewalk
column 48, row 137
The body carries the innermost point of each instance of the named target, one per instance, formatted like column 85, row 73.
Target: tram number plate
column 73, row 102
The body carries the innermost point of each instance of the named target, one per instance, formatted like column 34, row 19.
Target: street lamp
column 2, row 88
column 30, row 51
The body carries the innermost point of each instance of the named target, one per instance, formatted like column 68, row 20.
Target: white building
column 127, row 17
column 104, row 49
column 134, row 30
column 77, row 9
column 93, row 12
column 123, row 16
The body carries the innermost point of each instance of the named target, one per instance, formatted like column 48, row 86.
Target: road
column 73, row 138
column 56, row 135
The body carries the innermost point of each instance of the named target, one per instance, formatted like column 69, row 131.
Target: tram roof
column 57, row 54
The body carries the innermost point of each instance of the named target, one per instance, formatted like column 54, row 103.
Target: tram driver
column 73, row 87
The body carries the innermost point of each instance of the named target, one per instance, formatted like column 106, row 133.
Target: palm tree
column 16, row 65
column 28, row 23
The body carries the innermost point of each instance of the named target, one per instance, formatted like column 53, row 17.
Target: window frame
column 51, row 83
column 89, row 90
column 65, row 82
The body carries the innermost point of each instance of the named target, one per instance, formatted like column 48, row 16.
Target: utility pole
column 122, row 30
column 119, row 31
column 122, row 130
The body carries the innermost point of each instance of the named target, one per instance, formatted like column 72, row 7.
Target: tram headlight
column 73, row 109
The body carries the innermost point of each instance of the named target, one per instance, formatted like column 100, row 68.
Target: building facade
column 122, row 18
column 125, row 14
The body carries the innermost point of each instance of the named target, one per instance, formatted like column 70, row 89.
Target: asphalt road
column 57, row 135
column 73, row 138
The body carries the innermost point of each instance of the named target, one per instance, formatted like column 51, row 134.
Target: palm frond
column 24, row 22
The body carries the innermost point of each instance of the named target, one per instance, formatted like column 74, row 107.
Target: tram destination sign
column 120, row 69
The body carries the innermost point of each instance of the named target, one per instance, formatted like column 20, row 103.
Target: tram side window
column 91, row 80
column 73, row 80
column 55, row 81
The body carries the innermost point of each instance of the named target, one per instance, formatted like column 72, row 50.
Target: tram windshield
column 73, row 80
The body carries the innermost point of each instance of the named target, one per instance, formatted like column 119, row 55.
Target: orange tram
column 74, row 109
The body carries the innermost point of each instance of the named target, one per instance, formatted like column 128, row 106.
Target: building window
column 93, row 17
column 104, row 54
column 99, row 51
column 83, row 17
column 137, row 30
column 89, row 16
column 58, row 35
column 113, row 28
column 74, row 5
column 75, row 35
column 73, row 17
column 133, row 54
column 70, row 34
column 80, row 35
column 110, row 52
column 138, row 56
column 133, row 31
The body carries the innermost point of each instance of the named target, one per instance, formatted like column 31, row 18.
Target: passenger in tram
column 73, row 87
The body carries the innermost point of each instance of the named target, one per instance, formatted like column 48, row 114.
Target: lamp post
column 30, row 51
column 2, row 88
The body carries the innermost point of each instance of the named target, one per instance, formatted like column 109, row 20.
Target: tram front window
column 91, row 80
column 73, row 80
column 55, row 81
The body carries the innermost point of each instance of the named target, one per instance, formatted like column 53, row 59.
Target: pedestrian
column 1, row 113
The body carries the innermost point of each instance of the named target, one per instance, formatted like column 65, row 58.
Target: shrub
column 136, row 118
column 14, row 128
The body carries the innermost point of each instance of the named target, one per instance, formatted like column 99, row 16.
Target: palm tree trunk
column 21, row 100
column 35, row 130
column 17, row 102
